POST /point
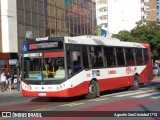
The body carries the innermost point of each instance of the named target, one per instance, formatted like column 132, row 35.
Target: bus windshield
column 44, row 66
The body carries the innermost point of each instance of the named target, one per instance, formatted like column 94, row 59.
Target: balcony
column 102, row 13
column 99, row 22
column 101, row 6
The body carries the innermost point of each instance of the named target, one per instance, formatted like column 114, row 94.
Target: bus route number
column 128, row 70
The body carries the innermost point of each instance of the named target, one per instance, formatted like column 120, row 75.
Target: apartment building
column 151, row 9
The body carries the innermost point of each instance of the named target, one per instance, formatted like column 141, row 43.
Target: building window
column 21, row 30
column 20, row 4
column 27, row 5
column 21, row 16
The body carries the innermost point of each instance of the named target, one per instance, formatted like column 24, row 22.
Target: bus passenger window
column 120, row 56
column 139, row 58
column 146, row 56
column 129, row 56
column 109, row 56
column 96, row 56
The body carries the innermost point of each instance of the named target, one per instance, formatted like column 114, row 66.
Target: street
column 146, row 99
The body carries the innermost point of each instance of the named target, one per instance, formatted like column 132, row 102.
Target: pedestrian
column 12, row 80
column 3, row 79
column 20, row 81
column 8, row 81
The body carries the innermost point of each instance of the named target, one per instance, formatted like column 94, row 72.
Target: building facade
column 102, row 14
column 21, row 19
column 152, row 8
column 158, row 8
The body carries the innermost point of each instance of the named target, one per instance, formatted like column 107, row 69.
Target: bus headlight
column 26, row 86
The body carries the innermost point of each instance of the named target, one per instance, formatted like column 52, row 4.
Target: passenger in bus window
column 139, row 61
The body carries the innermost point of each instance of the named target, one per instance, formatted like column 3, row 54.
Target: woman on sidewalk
column 3, row 79
column 8, row 81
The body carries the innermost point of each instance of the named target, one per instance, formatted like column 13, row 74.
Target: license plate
column 42, row 94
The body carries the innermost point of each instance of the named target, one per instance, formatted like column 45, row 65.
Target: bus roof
column 94, row 40
column 99, row 40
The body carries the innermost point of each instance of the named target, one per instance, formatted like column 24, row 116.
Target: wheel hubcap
column 91, row 89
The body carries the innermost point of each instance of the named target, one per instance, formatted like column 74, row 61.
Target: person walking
column 12, row 80
column 8, row 81
column 3, row 79
column 20, row 81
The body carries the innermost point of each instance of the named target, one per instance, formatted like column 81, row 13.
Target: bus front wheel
column 136, row 83
column 92, row 90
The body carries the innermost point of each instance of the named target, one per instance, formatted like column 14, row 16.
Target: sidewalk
column 13, row 91
column 157, row 78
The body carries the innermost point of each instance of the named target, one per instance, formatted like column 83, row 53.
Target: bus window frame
column 71, row 48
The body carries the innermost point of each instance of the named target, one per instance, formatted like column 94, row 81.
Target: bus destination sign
column 33, row 46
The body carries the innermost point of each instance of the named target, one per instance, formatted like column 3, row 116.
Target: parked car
column 156, row 70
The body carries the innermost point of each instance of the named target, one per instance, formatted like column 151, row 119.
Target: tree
column 146, row 32
column 123, row 35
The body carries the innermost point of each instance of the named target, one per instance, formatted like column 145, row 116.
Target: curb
column 10, row 92
column 155, row 88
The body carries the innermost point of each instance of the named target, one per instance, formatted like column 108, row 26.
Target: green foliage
column 146, row 32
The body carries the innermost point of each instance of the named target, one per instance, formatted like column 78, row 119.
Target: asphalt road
column 110, row 105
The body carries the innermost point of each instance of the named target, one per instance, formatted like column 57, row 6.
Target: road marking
column 157, row 97
column 134, row 93
column 119, row 93
column 98, row 99
column 42, row 109
column 1, row 118
column 72, row 104
column 145, row 95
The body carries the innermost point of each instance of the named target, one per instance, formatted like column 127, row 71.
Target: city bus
column 83, row 65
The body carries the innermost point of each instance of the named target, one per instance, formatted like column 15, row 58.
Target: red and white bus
column 83, row 65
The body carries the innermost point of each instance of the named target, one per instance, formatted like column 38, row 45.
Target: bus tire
column 92, row 90
column 136, row 83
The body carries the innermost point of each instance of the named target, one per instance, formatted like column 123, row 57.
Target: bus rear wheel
column 92, row 90
column 136, row 83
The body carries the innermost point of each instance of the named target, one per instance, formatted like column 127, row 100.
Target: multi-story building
column 102, row 14
column 158, row 9
column 21, row 19
column 151, row 8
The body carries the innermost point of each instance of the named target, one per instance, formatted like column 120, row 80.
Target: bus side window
column 96, row 56
column 85, row 57
column 109, row 55
column 120, row 56
column 146, row 56
column 139, row 58
column 129, row 56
